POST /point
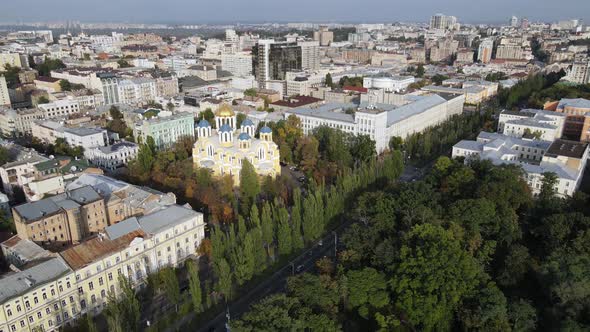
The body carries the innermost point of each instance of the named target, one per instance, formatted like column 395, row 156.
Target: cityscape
column 329, row 171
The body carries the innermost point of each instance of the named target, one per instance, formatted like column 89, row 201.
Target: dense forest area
column 466, row 248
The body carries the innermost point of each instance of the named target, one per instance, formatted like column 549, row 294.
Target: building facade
column 165, row 130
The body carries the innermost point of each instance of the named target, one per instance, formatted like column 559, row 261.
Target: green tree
column 432, row 276
column 250, row 92
column 267, row 225
column 123, row 63
column 169, row 282
column 296, row 235
column 548, row 186
column 224, row 279
column 129, row 305
column 486, row 310
column 249, row 185
column 362, row 148
column 273, row 313
column 284, row 240
column 65, row 85
column 420, row 71
column 328, row 80
column 194, row 283
column 367, row 290
column 523, row 316
column 243, row 260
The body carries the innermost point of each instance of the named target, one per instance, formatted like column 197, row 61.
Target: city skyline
column 226, row 11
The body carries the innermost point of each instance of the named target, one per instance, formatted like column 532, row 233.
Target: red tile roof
column 355, row 88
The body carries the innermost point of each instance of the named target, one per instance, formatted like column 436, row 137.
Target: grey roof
column 411, row 109
column 121, row 228
column 469, row 145
column 330, row 111
column 165, row 218
column 35, row 210
column 578, row 102
column 117, row 146
column 83, row 131
column 531, row 123
column 84, row 194
column 15, row 284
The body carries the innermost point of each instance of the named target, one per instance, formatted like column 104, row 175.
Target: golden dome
column 225, row 110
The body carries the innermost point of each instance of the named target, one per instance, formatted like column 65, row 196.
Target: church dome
column 244, row 137
column 265, row 130
column 203, row 124
column 247, row 122
column 225, row 111
column 225, row 128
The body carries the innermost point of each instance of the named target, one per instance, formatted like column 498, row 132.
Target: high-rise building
column 239, row 64
column 324, row 36
column 272, row 60
column 4, row 97
column 310, row 55
column 443, row 22
column 514, row 21
column 484, row 53
column 579, row 72
column 511, row 52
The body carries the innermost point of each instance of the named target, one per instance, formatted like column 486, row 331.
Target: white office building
column 60, row 108
column 544, row 125
column 388, row 82
column 382, row 121
column 566, row 159
column 113, row 156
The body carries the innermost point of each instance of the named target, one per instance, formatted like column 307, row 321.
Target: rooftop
column 97, row 247
column 572, row 149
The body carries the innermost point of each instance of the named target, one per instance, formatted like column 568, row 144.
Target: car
column 321, row 243
column 299, row 268
column 302, row 179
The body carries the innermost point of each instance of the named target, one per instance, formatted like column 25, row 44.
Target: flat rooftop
column 562, row 147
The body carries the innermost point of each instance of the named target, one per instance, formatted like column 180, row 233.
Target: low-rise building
column 112, row 157
column 59, row 108
column 388, row 82
column 540, row 124
column 165, row 130
column 566, row 159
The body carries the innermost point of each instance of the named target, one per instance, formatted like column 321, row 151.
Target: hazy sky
column 199, row 11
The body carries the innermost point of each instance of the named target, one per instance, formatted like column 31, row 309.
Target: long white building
column 382, row 121
column 545, row 125
column 388, row 82
column 567, row 159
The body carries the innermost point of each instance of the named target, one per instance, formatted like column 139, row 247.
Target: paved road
column 306, row 262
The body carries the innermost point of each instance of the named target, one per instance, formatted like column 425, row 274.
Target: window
column 31, row 319
column 90, row 286
column 53, row 292
column 100, row 281
column 39, row 315
column 83, row 304
column 22, row 323
column 71, row 299
column 56, row 307
column 93, row 299
column 68, row 284
column 45, row 296
column 66, row 315
column 103, row 293
column 18, row 308
column 61, row 289
column 47, row 311
column 110, row 276
column 58, row 318
column 27, row 304
column 9, row 312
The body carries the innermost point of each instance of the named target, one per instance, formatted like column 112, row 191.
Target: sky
column 233, row 11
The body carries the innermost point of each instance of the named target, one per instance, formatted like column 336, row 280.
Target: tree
column 393, row 165
column 129, row 305
column 432, row 276
column 395, row 143
column 243, row 260
column 65, row 85
column 224, row 278
column 296, row 235
column 438, row 79
column 42, row 100
column 169, row 283
column 522, row 315
column 420, row 71
column 548, row 186
column 123, row 63
column 273, row 313
column 328, row 80
column 249, row 185
column 485, row 310
column 284, row 240
column 250, row 92
column 267, row 225
column 195, row 286
column 367, row 289
column 48, row 65
column 362, row 148
column 90, row 325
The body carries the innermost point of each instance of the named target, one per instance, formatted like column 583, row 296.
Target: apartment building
column 310, row 54
column 4, row 96
column 18, row 122
column 53, row 290
column 239, row 64
column 59, row 108
column 11, row 59
column 166, row 130
column 22, row 162
column 136, row 91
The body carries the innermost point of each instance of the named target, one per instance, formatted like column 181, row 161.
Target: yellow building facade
column 223, row 150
